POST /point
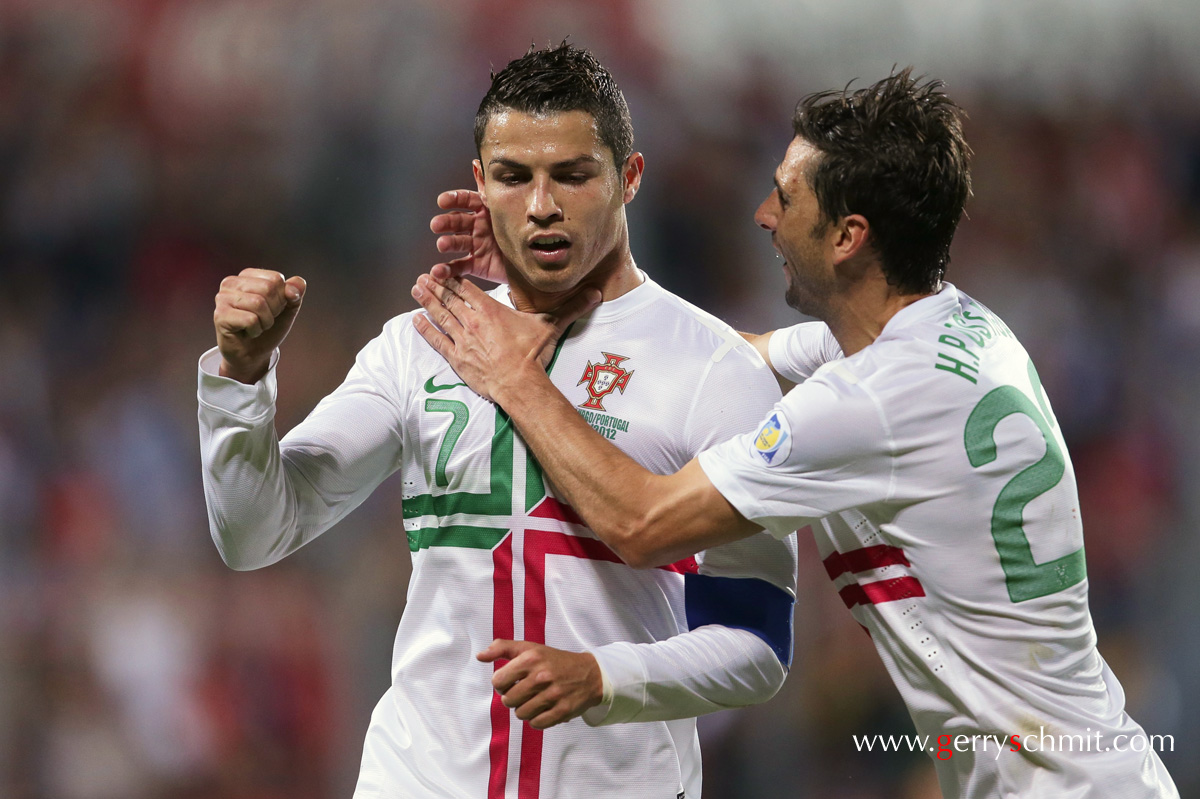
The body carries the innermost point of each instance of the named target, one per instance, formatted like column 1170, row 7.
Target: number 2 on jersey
column 1025, row 578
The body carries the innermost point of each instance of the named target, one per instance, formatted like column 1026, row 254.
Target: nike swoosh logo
column 431, row 387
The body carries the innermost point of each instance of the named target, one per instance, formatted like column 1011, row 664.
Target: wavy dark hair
column 894, row 153
column 559, row 79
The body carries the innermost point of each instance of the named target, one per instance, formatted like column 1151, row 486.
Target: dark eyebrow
column 580, row 161
column 782, row 194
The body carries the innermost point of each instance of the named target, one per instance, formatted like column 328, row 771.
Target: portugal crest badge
column 603, row 378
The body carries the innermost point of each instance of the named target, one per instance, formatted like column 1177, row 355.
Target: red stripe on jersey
column 685, row 566
column 551, row 508
column 529, row 782
column 881, row 591
column 502, row 627
column 865, row 559
column 539, row 544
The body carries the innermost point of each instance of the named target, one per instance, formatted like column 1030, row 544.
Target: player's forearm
column 267, row 498
column 707, row 669
column 251, row 509
column 647, row 519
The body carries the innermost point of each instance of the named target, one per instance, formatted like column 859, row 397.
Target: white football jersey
column 944, row 506
column 496, row 555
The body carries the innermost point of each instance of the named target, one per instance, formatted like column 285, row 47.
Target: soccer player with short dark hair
column 497, row 555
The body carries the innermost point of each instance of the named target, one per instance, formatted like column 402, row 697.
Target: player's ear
column 851, row 236
column 477, row 169
column 631, row 176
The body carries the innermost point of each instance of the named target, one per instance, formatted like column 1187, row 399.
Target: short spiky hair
column 894, row 153
column 558, row 79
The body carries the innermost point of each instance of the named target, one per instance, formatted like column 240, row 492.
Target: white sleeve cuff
column 624, row 685
column 706, row 669
column 247, row 403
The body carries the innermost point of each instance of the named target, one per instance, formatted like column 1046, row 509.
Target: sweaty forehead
column 798, row 159
column 542, row 138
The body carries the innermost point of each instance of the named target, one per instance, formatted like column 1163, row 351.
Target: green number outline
column 499, row 499
column 1026, row 579
column 461, row 414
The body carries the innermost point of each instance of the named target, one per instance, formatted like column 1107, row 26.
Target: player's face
column 556, row 199
column 791, row 213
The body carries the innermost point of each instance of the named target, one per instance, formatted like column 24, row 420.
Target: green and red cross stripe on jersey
column 537, row 545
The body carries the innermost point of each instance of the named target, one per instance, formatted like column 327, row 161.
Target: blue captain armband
column 745, row 604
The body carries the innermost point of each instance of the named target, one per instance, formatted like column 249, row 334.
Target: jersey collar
column 935, row 306
column 629, row 302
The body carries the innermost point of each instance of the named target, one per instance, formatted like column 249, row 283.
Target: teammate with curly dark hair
column 893, row 152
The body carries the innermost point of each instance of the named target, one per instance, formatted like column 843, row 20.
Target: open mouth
column 550, row 249
column 550, row 244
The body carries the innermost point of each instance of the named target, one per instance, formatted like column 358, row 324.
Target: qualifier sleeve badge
column 773, row 442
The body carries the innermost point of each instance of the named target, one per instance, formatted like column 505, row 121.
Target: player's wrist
column 247, row 373
column 515, row 387
column 601, row 690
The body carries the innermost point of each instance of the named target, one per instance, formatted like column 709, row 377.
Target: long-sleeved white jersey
column 944, row 506
column 496, row 555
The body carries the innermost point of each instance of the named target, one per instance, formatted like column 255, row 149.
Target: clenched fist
column 255, row 311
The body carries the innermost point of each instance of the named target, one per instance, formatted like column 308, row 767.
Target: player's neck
column 615, row 276
column 857, row 316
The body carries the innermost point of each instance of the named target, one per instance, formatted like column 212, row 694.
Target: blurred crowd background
column 150, row 147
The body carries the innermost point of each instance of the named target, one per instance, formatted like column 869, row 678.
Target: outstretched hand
column 489, row 344
column 544, row 686
column 467, row 228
